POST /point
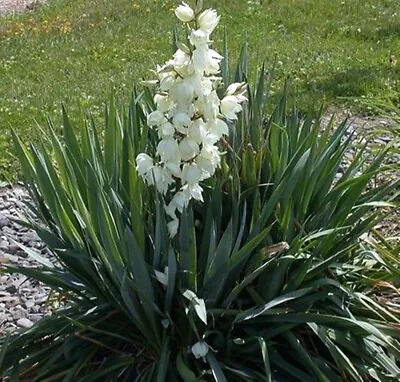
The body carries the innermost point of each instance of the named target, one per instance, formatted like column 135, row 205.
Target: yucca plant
column 261, row 283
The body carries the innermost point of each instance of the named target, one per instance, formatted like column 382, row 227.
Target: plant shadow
column 358, row 82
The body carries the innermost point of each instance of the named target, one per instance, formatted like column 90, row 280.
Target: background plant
column 264, row 279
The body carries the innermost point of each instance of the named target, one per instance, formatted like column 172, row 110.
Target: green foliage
column 267, row 271
column 76, row 51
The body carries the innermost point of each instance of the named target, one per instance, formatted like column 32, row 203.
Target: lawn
column 77, row 52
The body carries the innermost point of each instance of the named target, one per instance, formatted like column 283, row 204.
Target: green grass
column 77, row 52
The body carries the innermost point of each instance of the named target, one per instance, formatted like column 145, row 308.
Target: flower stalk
column 190, row 118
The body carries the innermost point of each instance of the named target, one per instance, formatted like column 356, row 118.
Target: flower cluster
column 190, row 118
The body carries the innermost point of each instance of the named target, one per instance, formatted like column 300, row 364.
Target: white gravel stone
column 24, row 323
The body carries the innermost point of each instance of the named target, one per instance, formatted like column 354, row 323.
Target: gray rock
column 29, row 237
column 12, row 289
column 29, row 304
column 4, row 222
column 35, row 317
column 25, row 323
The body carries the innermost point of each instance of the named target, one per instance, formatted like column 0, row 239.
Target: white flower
column 200, row 58
column 193, row 191
column 198, row 37
column 209, row 141
column 160, row 177
column 195, row 80
column 166, row 82
column 211, row 106
column 206, row 86
column 182, row 92
column 208, row 20
column 175, row 168
column 206, row 166
column 230, row 106
column 156, row 118
column 181, row 59
column 197, row 131
column 212, row 153
column 188, row 148
column 200, row 349
column 144, row 163
column 168, row 149
column 236, row 88
column 163, row 102
column 181, row 120
column 217, row 127
column 214, row 59
column 166, row 129
column 173, row 226
column 184, row 13
column 191, row 174
column 180, row 201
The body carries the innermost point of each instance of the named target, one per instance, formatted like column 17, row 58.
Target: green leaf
column 264, row 351
column 185, row 373
column 216, row 369
column 252, row 313
column 188, row 251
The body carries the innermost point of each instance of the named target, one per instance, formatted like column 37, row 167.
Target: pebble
column 25, row 323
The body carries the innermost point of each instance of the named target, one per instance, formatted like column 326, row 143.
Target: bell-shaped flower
column 199, row 105
column 166, row 82
column 144, row 163
column 181, row 59
column 163, row 103
column 173, row 226
column 193, row 191
column 191, row 174
column 180, row 200
column 175, row 168
column 156, row 118
column 208, row 20
column 198, row 37
column 182, row 92
column 211, row 106
column 200, row 349
column 200, row 58
column 160, row 177
column 230, row 107
column 217, row 127
column 195, row 80
column 207, row 86
column 206, row 166
column 181, row 120
column 184, row 13
column 236, row 88
column 212, row 153
column 214, row 59
column 197, row 130
column 168, row 149
column 178, row 203
column 188, row 148
column 165, row 130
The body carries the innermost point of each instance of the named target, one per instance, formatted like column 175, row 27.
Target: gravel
column 23, row 301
